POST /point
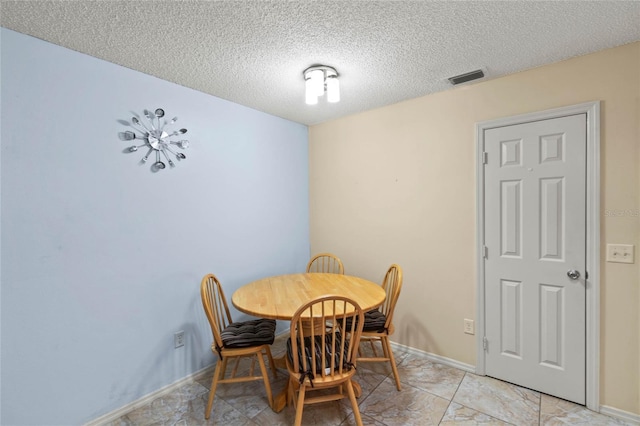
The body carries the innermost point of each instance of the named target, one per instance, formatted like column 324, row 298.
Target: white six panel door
column 535, row 219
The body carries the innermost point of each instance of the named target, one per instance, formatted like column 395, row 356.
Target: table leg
column 280, row 362
column 280, row 400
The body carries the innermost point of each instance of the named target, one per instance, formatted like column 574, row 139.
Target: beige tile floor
column 432, row 394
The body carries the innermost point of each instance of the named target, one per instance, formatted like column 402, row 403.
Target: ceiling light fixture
column 319, row 78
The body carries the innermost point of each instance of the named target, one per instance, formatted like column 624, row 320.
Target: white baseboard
column 398, row 348
column 116, row 414
column 620, row 414
column 436, row 358
column 608, row 411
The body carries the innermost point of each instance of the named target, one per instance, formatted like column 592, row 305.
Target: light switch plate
column 621, row 253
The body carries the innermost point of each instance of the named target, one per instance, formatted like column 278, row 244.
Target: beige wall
column 397, row 184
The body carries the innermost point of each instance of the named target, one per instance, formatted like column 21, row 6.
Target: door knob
column 573, row 274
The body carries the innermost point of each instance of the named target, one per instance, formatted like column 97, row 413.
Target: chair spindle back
column 392, row 284
column 215, row 306
column 327, row 263
column 336, row 346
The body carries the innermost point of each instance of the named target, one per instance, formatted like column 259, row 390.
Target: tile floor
column 432, row 394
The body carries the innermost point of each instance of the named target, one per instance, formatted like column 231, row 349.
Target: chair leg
column 272, row 364
column 300, row 406
column 373, row 348
column 265, row 378
column 235, row 366
column 385, row 348
column 387, row 345
column 224, row 367
column 291, row 394
column 212, row 392
column 253, row 364
column 354, row 403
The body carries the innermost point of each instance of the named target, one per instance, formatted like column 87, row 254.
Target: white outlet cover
column 469, row 326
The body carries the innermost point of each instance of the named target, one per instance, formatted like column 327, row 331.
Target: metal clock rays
column 156, row 139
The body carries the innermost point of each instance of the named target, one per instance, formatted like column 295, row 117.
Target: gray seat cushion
column 374, row 320
column 317, row 348
column 249, row 333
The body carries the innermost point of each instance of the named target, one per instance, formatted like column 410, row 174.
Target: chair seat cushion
column 246, row 334
column 374, row 320
column 317, row 347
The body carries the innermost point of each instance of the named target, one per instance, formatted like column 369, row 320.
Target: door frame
column 592, row 110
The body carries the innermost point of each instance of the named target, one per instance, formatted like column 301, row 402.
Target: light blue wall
column 101, row 258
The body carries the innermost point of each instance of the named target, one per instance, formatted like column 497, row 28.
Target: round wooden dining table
column 279, row 297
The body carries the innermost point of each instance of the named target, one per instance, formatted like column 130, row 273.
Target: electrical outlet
column 178, row 339
column 621, row 253
column 469, row 326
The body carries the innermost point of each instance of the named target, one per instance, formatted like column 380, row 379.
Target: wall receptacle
column 469, row 327
column 178, row 339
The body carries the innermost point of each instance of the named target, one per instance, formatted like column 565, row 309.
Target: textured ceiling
column 253, row 52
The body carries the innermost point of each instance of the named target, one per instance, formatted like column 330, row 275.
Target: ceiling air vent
column 463, row 78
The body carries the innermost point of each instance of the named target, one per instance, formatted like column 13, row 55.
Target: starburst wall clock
column 156, row 139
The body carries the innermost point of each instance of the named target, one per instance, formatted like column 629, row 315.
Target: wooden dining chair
column 325, row 262
column 322, row 358
column 235, row 340
column 378, row 323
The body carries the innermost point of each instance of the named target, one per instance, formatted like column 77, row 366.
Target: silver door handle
column 573, row 274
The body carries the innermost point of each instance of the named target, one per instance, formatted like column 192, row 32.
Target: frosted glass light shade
column 310, row 95
column 333, row 89
column 317, row 81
